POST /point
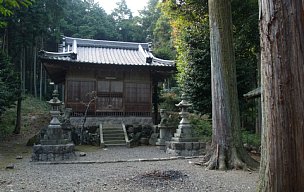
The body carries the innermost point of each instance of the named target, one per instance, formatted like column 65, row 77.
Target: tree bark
column 40, row 82
column 41, row 71
column 227, row 148
column 18, row 114
column 23, row 69
column 282, row 66
column 35, row 70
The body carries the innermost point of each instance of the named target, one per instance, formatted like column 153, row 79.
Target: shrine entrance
column 109, row 96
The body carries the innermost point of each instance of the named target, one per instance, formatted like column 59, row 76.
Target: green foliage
column 165, row 52
column 246, row 38
column 87, row 20
column 173, row 119
column 30, row 106
column 149, row 16
column 189, row 21
column 127, row 27
column 201, row 126
column 168, row 99
column 157, row 29
column 9, row 83
column 7, row 8
column 7, row 122
column 251, row 139
column 122, row 11
column 162, row 40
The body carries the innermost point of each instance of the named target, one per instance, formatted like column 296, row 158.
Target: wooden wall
column 118, row 93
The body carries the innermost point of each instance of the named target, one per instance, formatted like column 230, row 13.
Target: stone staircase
column 112, row 134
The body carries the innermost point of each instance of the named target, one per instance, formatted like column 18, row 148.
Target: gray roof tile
column 105, row 52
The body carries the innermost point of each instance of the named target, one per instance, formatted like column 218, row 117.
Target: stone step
column 113, row 137
column 113, row 134
column 115, row 142
column 118, row 144
column 111, row 126
column 105, row 130
column 121, row 135
column 112, row 130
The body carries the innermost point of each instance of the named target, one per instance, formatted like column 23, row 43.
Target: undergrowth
column 202, row 127
column 31, row 106
column 251, row 139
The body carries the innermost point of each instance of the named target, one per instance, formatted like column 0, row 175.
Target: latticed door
column 110, row 95
column 79, row 93
column 138, row 98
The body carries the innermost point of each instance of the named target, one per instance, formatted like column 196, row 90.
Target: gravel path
column 171, row 175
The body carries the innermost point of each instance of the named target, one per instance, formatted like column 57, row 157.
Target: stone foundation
column 96, row 121
column 53, row 152
column 185, row 148
column 165, row 134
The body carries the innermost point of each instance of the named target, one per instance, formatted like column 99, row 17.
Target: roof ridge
column 46, row 54
column 104, row 43
column 169, row 62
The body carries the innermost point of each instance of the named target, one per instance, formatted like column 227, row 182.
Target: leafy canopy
column 7, row 8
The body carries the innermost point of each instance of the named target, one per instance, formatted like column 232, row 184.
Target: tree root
column 221, row 159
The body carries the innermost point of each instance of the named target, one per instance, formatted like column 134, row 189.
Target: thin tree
column 18, row 113
column 282, row 68
column 91, row 96
column 227, row 150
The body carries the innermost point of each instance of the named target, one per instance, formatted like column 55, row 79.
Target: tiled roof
column 105, row 52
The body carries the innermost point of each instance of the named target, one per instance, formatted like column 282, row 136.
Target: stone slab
column 53, row 152
column 185, row 148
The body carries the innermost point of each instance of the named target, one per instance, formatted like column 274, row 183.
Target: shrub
column 252, row 140
column 9, row 83
column 202, row 127
column 168, row 99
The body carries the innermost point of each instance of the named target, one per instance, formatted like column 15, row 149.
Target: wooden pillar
column 155, row 101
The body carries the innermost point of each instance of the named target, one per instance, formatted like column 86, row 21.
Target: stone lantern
column 53, row 146
column 184, row 131
column 54, row 133
column 183, row 143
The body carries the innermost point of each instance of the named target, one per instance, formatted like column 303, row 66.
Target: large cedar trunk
column 227, row 149
column 282, row 43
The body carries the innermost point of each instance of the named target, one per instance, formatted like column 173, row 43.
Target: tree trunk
column 35, row 70
column 227, row 149
column 282, row 46
column 23, row 69
column 41, row 70
column 45, row 83
column 258, row 126
column 18, row 114
column 40, row 82
column 30, row 68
